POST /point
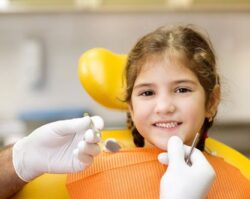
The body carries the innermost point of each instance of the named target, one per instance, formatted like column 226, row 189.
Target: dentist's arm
column 181, row 180
column 10, row 183
column 59, row 147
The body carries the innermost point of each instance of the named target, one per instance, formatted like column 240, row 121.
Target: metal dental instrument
column 92, row 126
column 110, row 144
column 194, row 144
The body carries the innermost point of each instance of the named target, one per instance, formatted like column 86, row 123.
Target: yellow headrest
column 100, row 72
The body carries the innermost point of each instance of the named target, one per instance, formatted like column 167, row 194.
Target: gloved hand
column 181, row 180
column 59, row 147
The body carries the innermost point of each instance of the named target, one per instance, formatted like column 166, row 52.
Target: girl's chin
column 163, row 145
column 163, row 142
column 164, row 148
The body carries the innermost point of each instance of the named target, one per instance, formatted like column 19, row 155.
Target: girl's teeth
column 167, row 125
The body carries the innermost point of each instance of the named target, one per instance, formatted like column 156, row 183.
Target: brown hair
column 193, row 48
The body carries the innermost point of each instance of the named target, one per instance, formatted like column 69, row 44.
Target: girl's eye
column 183, row 90
column 147, row 93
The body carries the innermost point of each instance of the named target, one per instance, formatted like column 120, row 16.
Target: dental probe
column 92, row 126
column 195, row 142
column 110, row 144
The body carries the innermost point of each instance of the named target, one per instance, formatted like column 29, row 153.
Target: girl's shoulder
column 230, row 182
column 222, row 166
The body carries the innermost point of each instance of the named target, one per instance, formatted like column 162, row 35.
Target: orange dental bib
column 136, row 173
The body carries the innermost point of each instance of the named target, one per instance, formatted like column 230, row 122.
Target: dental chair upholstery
column 100, row 72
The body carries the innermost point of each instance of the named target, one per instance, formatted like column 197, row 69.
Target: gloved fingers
column 176, row 150
column 72, row 126
column 163, row 158
column 88, row 148
column 77, row 164
column 83, row 158
column 201, row 165
column 196, row 155
column 98, row 122
column 199, row 161
column 91, row 137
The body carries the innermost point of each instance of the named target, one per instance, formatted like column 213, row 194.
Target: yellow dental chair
column 100, row 72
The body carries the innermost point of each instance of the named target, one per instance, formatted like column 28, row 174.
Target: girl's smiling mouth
column 168, row 125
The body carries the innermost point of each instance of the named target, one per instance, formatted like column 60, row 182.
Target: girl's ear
column 130, row 109
column 213, row 102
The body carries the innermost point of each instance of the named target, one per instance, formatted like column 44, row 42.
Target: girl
column 173, row 90
column 173, row 85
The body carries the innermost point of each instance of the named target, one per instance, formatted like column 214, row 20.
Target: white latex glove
column 60, row 147
column 181, row 180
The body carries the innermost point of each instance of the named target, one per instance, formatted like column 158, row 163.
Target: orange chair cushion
column 136, row 173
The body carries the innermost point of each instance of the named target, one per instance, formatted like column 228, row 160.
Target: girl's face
column 167, row 100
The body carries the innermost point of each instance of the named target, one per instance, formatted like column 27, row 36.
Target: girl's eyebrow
column 185, row 81
column 143, row 85
column 189, row 81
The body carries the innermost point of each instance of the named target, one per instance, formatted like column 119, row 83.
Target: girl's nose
column 165, row 105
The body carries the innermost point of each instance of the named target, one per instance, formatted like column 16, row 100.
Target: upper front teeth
column 167, row 125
